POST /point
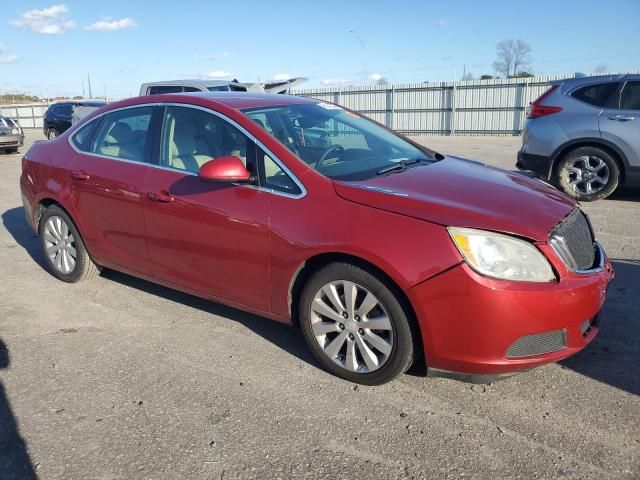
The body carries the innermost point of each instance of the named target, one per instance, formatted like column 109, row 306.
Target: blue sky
column 47, row 48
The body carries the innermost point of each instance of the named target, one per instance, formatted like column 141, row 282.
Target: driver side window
column 275, row 178
column 191, row 137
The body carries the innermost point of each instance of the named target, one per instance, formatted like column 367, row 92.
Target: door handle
column 160, row 197
column 79, row 175
column 622, row 118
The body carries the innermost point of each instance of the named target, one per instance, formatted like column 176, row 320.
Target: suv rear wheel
column 52, row 133
column 587, row 174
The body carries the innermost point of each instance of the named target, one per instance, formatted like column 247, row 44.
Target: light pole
column 364, row 54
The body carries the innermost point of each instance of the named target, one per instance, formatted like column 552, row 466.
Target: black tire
column 84, row 267
column 563, row 174
column 405, row 336
column 52, row 133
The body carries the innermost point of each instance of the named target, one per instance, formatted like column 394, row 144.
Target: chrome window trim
column 249, row 135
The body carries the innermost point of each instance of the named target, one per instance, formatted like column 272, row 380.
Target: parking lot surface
column 117, row 378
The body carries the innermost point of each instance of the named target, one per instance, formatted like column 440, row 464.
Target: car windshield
column 337, row 143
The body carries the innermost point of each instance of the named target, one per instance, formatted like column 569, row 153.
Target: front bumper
column 11, row 141
column 469, row 322
column 539, row 164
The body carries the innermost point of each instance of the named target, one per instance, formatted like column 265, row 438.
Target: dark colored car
column 58, row 117
column 384, row 252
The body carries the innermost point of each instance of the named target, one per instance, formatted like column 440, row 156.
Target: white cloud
column 2, row 48
column 442, row 23
column 48, row 21
column 281, row 77
column 219, row 74
column 329, row 82
column 109, row 25
column 9, row 59
column 376, row 77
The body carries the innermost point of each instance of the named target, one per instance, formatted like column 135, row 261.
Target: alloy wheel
column 60, row 245
column 351, row 326
column 587, row 174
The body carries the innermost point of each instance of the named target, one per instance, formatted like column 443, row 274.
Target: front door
column 208, row 237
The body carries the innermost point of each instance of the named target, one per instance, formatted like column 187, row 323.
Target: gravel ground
column 117, row 378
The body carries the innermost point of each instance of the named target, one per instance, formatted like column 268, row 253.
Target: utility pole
column 82, row 89
column 464, row 72
column 105, row 92
column 364, row 54
column 89, row 83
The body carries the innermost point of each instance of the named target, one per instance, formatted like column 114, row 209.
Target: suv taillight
column 536, row 110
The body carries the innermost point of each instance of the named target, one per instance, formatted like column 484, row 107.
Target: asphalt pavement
column 118, row 378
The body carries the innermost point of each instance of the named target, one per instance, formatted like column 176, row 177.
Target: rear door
column 107, row 175
column 620, row 121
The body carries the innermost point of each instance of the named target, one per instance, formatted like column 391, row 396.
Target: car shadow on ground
column 14, row 458
column 626, row 194
column 613, row 358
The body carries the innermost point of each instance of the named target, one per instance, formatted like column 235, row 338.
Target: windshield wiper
column 400, row 166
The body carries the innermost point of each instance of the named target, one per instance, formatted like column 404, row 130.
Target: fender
column 625, row 167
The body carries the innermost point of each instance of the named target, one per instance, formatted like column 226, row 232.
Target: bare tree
column 514, row 56
column 468, row 76
column 602, row 68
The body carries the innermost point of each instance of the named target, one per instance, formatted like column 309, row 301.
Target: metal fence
column 475, row 107
column 28, row 115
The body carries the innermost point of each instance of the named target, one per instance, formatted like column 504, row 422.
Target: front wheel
column 587, row 174
column 355, row 325
column 52, row 133
column 63, row 248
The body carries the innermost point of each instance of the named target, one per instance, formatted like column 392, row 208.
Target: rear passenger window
column 159, row 89
column 82, row 137
column 124, row 134
column 596, row 95
column 630, row 96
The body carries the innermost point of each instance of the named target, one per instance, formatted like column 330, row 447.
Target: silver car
column 11, row 135
column 583, row 135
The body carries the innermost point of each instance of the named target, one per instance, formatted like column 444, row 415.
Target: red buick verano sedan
column 384, row 252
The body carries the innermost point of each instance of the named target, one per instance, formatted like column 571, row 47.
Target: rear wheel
column 52, row 133
column 63, row 248
column 355, row 326
column 587, row 174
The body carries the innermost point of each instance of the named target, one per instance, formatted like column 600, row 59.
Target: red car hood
column 457, row 192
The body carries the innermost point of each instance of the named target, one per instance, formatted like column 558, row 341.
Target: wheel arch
column 318, row 261
column 609, row 147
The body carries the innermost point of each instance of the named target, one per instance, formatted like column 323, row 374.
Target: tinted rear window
column 160, row 89
column 630, row 97
column 596, row 95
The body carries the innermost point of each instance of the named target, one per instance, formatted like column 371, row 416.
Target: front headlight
column 501, row 256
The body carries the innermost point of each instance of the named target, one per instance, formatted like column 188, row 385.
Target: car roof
column 233, row 100
column 193, row 83
column 242, row 100
column 585, row 80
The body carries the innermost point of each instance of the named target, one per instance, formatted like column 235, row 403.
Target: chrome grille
column 537, row 344
column 573, row 240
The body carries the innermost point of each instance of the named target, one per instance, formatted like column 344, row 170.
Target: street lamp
column 364, row 54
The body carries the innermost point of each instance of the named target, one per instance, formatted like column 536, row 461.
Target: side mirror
column 228, row 169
